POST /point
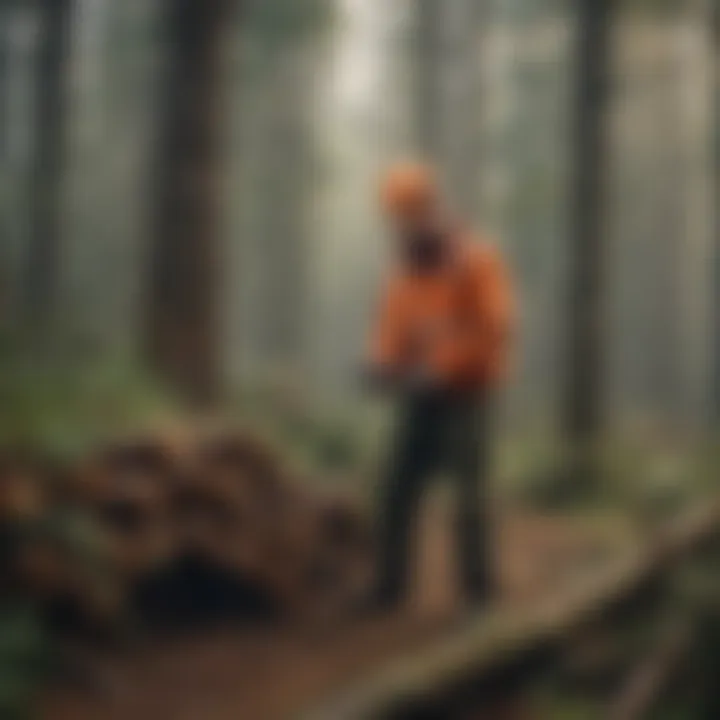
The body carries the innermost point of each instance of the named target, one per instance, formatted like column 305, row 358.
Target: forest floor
column 273, row 672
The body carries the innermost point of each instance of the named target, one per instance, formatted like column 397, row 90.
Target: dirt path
column 272, row 673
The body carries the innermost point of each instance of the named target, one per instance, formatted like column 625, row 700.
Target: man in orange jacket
column 441, row 342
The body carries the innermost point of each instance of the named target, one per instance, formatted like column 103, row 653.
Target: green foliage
column 572, row 709
column 652, row 481
column 334, row 446
column 81, row 541
column 24, row 657
column 67, row 405
column 338, row 442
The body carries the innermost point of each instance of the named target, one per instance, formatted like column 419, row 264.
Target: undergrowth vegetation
column 67, row 405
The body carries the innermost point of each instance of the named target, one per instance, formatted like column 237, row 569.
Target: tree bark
column 4, row 223
column 183, row 343
column 715, row 55
column 4, row 79
column 43, row 259
column 585, row 387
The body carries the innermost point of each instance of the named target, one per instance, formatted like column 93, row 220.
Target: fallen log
column 495, row 655
column 646, row 684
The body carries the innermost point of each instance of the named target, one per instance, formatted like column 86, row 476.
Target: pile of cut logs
column 162, row 530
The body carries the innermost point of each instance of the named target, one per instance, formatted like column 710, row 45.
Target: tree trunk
column 182, row 325
column 715, row 55
column 446, row 88
column 287, row 183
column 462, row 120
column 427, row 80
column 585, row 388
column 42, row 273
column 4, row 78
column 4, row 206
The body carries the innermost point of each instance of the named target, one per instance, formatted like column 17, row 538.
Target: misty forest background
column 187, row 207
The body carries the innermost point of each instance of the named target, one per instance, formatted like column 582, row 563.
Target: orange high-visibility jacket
column 457, row 320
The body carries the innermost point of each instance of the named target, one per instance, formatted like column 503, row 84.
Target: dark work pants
column 448, row 431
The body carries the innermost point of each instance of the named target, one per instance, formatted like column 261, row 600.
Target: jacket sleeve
column 481, row 343
column 386, row 344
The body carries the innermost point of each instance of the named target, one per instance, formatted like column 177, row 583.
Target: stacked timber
column 52, row 555
column 203, row 526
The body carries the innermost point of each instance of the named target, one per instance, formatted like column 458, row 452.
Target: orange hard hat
column 408, row 189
